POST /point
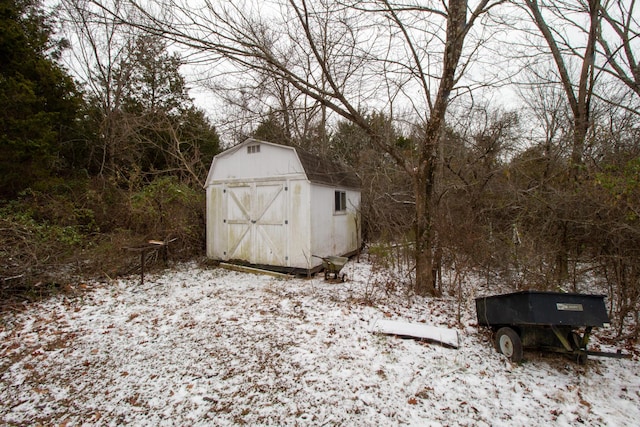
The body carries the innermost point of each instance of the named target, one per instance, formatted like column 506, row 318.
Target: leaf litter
column 205, row 346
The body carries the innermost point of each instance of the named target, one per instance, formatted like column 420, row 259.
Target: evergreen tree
column 38, row 99
column 271, row 129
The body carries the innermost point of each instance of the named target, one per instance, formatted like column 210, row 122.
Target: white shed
column 276, row 206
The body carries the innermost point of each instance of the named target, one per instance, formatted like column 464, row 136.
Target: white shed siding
column 334, row 233
column 215, row 229
column 300, row 223
column 260, row 222
column 352, row 222
column 262, row 208
column 256, row 219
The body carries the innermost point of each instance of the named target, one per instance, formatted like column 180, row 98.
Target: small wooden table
column 144, row 249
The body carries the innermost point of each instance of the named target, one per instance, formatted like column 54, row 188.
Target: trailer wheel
column 508, row 343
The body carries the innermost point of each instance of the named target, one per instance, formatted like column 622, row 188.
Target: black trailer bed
column 542, row 308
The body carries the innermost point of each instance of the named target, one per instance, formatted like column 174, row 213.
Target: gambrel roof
column 317, row 169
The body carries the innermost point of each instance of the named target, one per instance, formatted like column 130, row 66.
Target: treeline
column 89, row 168
column 408, row 93
column 509, row 208
column 546, row 196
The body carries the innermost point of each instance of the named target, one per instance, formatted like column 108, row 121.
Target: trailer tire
column 508, row 343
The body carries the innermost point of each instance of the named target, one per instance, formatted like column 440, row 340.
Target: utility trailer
column 553, row 321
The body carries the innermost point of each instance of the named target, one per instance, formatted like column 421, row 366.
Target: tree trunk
column 424, row 190
column 425, row 283
column 424, row 176
column 562, row 257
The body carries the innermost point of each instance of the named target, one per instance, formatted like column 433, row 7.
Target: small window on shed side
column 340, row 201
column 252, row 149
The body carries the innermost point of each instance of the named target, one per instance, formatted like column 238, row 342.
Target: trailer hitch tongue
column 616, row 355
column 580, row 347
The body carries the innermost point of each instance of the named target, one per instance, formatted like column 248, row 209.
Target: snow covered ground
column 206, row 346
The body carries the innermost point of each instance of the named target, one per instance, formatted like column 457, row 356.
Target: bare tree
column 146, row 123
column 347, row 55
column 478, row 207
column 619, row 39
column 258, row 99
column 102, row 57
column 564, row 34
column 578, row 86
column 591, row 45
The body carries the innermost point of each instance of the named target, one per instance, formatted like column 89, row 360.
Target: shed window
column 251, row 149
column 340, row 201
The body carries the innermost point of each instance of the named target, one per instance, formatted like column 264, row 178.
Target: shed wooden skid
column 276, row 206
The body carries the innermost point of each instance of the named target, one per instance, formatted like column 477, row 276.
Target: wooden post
column 142, row 257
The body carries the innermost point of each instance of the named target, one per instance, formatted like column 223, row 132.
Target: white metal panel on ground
column 417, row 330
